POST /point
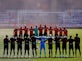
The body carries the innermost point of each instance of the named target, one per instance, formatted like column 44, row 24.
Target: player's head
column 70, row 37
column 36, row 26
column 31, row 27
column 6, row 36
column 20, row 36
column 64, row 28
column 25, row 26
column 76, row 35
column 50, row 27
column 45, row 26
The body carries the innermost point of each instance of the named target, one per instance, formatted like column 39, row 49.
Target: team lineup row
column 39, row 30
column 57, row 39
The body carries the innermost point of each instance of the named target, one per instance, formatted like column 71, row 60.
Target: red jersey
column 31, row 31
column 60, row 32
column 20, row 31
column 50, row 30
column 56, row 30
column 45, row 30
column 40, row 29
column 65, row 32
column 15, row 31
column 25, row 30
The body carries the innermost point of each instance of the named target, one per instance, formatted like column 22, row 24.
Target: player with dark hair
column 19, row 44
column 40, row 30
column 65, row 32
column 33, row 40
column 70, row 40
column 45, row 30
column 77, row 44
column 56, row 31
column 6, row 43
column 57, row 44
column 12, row 44
column 64, row 45
column 50, row 43
column 31, row 31
column 50, row 30
column 27, row 41
column 21, row 31
column 15, row 32
column 25, row 31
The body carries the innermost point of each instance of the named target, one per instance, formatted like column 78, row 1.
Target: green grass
column 72, row 32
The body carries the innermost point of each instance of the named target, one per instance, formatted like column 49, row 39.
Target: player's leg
column 56, row 51
column 17, row 50
column 33, row 52
column 28, row 52
column 14, row 51
column 4, row 51
column 40, row 51
column 25, row 51
column 36, row 51
column 49, row 52
column 72, row 50
column 69, row 51
column 75, row 50
column 59, row 50
column 49, row 49
column 44, row 51
column 11, row 50
column 79, row 50
column 65, row 50
column 21, row 50
column 7, row 50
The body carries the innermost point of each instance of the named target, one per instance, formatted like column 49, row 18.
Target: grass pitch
column 9, row 32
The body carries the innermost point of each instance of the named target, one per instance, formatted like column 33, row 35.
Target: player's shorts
column 45, row 34
column 26, row 47
column 33, row 46
column 12, row 47
column 71, row 47
column 40, row 34
column 58, row 45
column 15, row 35
column 5, row 46
column 56, row 34
column 77, row 46
column 20, row 46
column 50, row 46
column 25, row 35
column 64, row 46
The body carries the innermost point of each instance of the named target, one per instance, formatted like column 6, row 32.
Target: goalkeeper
column 43, row 40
